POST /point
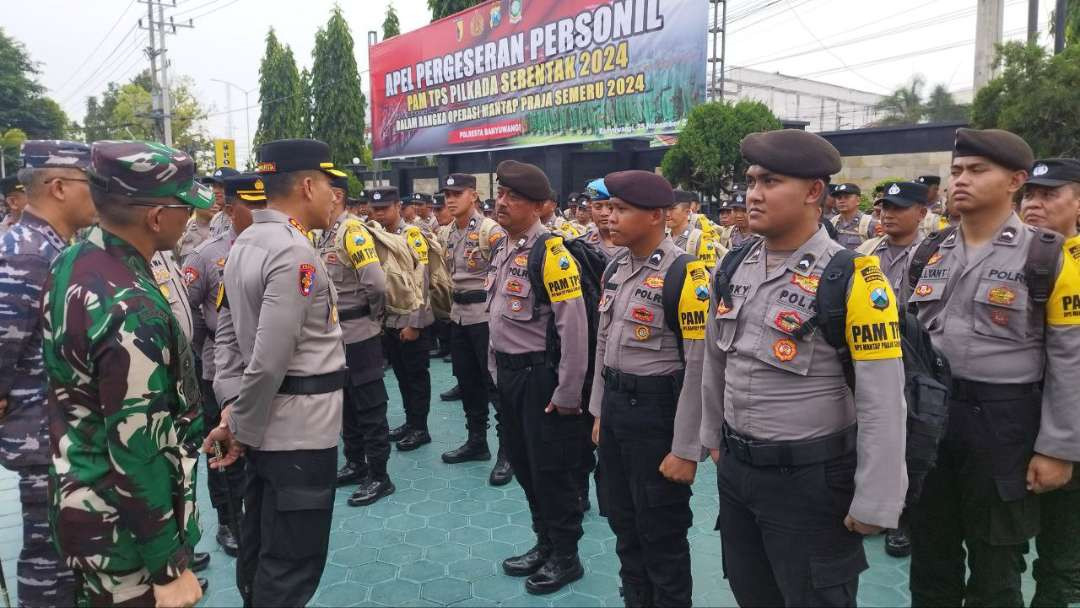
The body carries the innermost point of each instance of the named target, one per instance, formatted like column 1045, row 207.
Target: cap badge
column 449, row 181
column 217, row 173
column 376, row 197
column 1040, row 169
column 894, row 189
column 259, row 185
column 841, row 188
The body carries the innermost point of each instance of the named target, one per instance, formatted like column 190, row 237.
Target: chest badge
column 785, row 350
column 788, row 321
column 220, row 262
column 924, row 290
column 307, row 279
column 521, row 261
column 808, row 284
column 642, row 314
column 654, row 282
column 934, row 259
column 513, row 286
column 1002, row 296
column 516, row 305
column 190, row 275
column 999, row 317
column 642, row 332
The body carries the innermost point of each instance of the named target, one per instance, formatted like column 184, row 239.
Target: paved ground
column 439, row 540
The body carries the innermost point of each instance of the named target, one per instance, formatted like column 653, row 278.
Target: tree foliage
column 281, row 95
column 309, row 101
column 124, row 112
column 706, row 158
column 906, row 106
column 338, row 100
column 390, row 26
column 1035, row 97
column 445, row 8
column 24, row 107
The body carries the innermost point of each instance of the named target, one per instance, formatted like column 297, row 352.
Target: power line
column 828, row 50
column 215, row 9
column 95, row 76
column 100, row 42
column 195, row 8
column 105, row 61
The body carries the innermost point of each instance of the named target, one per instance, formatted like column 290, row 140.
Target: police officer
column 14, row 199
column 279, row 354
column 442, row 213
column 1012, row 336
column 220, row 222
column 203, row 272
column 488, row 207
column 543, row 428
column 407, row 338
column 348, row 250
column 903, row 208
column 424, row 218
column 58, row 205
column 408, row 211
column 358, row 205
column 582, row 212
column 854, row 226
column 1052, row 201
column 777, row 412
column 553, row 220
column 470, row 243
column 689, row 238
column 933, row 192
column 739, row 232
column 646, row 395
column 124, row 461
column 196, row 231
column 599, row 235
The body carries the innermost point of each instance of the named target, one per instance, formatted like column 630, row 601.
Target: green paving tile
column 472, row 568
column 469, row 535
column 446, row 591
column 447, row 553
column 494, row 550
column 426, row 537
column 422, row 571
column 372, row 573
column 400, row 554
column 405, row 522
column 395, row 593
column 498, row 588
column 428, row 508
column 342, row 594
column 354, row 556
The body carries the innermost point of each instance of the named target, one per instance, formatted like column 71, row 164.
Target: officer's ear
column 817, row 192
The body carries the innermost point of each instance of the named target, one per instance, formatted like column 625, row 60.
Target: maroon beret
column 643, row 189
column 1002, row 147
column 525, row 179
column 791, row 152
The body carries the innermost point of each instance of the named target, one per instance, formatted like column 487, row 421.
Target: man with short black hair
column 14, row 199
column 902, row 213
column 854, row 226
column 933, row 186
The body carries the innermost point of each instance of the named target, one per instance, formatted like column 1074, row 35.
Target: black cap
column 791, row 152
column 340, row 182
column 287, row 155
column 457, row 182
column 684, row 196
column 1002, row 147
column 905, row 194
column 219, row 175
column 1054, row 172
column 488, row 204
column 639, row 188
column 438, row 200
column 929, row 180
column 846, row 189
column 418, row 198
column 737, row 200
column 832, row 189
column 247, row 187
column 382, row 196
column 525, row 179
column 10, row 184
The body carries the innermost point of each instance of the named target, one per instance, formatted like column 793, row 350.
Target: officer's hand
column 3, row 407
column 715, row 454
column 231, row 449
column 596, row 431
column 563, row 411
column 1046, row 473
column 181, row 593
column 678, row 470
column 409, row 334
column 855, row 525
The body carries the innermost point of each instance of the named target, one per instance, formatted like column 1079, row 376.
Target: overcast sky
column 68, row 38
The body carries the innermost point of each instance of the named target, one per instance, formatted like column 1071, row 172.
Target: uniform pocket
column 519, row 298
column 669, row 509
column 779, row 347
column 1000, row 310
column 833, row 577
column 726, row 320
column 646, row 323
column 301, row 522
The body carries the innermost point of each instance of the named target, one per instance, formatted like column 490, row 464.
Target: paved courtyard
column 440, row 539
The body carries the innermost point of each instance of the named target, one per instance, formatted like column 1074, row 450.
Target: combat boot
column 502, row 472
column 351, row 473
column 370, row 491
column 529, row 562
column 556, row 573
column 397, row 433
column 474, row 448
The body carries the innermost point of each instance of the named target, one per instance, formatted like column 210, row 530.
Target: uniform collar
column 120, row 249
column 883, row 244
column 43, row 228
column 474, row 223
column 1008, row 234
column 530, row 236
column 807, row 257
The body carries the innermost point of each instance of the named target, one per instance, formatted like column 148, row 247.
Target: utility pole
column 989, row 21
column 1061, row 12
column 1033, row 22
column 162, row 104
column 719, row 48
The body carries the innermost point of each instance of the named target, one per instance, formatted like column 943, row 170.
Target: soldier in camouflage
column 58, row 205
column 123, row 397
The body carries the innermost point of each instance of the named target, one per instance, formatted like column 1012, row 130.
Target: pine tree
column 390, row 26
column 338, row 100
column 305, row 86
column 445, row 8
column 281, row 115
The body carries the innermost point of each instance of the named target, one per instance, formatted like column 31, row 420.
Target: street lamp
column 228, row 108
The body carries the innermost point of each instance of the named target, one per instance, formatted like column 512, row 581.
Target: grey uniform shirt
column 194, row 235
column 518, row 322
column 359, row 279
column 171, row 283
column 763, row 382
column 634, row 338
column 220, row 223
column 469, row 267
column 851, row 234
column 424, row 316
column 203, row 271
column 895, row 262
column 976, row 306
column 593, row 238
column 282, row 321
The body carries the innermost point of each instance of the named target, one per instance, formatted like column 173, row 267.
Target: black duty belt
column 313, row 385
column 615, row 380
column 516, row 362
column 477, row 296
column 969, row 390
column 789, row 453
column 355, row 313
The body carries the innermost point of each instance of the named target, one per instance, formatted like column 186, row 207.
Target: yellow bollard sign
column 225, row 153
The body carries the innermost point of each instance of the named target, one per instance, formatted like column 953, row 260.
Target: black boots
column 370, row 491
column 474, row 448
column 227, row 540
column 529, row 563
column 502, row 472
column 397, row 433
column 453, row 394
column 413, row 439
column 351, row 473
column 556, row 573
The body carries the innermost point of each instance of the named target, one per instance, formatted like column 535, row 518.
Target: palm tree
column 904, row 106
column 941, row 107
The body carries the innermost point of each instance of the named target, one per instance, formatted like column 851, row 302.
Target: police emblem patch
column 515, row 305
column 642, row 314
column 564, row 262
column 785, row 350
column 513, row 286
column 894, row 189
column 473, row 236
column 924, row 290
column 654, row 281
column 331, row 258
column 1001, row 295
column 788, row 321
column 307, row 279
column 521, row 261
column 934, row 259
column 879, row 298
column 642, row 332
column 808, row 284
column 359, row 239
column 701, row 292
column 190, row 275
column 999, row 317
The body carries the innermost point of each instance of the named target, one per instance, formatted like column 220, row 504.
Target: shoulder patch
column 561, row 276
column 694, row 301
column 359, row 245
column 418, row 243
column 307, row 279
column 1063, row 307
column 873, row 324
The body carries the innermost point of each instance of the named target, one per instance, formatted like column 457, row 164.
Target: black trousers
column 648, row 514
column 545, row 451
column 364, row 430
column 975, row 505
column 1057, row 568
column 221, row 484
column 469, row 354
column 286, row 529
column 410, row 361
column 783, row 534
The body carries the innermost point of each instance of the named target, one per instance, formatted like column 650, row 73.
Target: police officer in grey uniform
column 903, row 208
column 1013, row 428
column 852, row 225
column 543, row 428
column 407, row 338
column 281, row 368
column 806, row 467
column 203, row 272
column 348, row 250
column 646, row 393
column 740, row 227
column 598, row 234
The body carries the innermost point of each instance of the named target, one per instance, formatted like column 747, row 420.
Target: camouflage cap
column 147, row 169
column 55, row 154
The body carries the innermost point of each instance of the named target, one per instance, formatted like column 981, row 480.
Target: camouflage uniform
column 124, row 417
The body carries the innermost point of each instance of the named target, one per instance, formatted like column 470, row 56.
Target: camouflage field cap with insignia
column 140, row 169
column 247, row 187
column 55, row 154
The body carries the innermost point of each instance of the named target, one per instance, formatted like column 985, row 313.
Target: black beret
column 525, row 179
column 846, row 189
column 791, row 152
column 219, row 176
column 682, row 196
column 1054, row 172
column 458, row 182
column 643, row 189
column 1002, row 147
column 383, row 196
column 929, row 180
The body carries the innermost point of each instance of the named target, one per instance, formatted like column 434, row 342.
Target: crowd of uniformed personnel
column 148, row 314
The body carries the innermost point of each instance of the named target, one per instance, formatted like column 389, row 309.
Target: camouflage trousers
column 128, row 589
column 43, row 579
column 1057, row 567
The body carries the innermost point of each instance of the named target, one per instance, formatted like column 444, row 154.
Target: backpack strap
column 1042, row 259
column 864, row 225
column 725, row 270
column 536, row 269
column 832, row 309
column 674, row 279
column 926, row 250
column 486, row 226
column 611, row 268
